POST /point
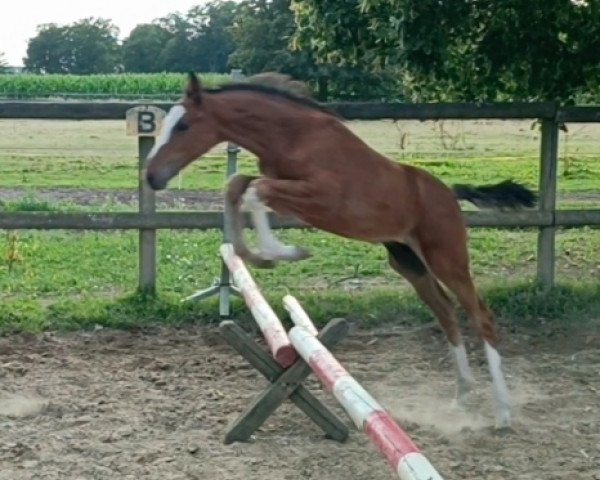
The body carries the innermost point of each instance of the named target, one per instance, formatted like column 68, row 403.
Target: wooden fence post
column 145, row 122
column 147, row 238
column 547, row 202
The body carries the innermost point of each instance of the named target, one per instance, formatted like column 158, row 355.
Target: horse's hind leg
column 405, row 261
column 451, row 267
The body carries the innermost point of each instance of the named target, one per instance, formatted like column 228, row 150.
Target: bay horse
column 314, row 168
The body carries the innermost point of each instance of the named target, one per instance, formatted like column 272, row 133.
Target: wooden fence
column 546, row 218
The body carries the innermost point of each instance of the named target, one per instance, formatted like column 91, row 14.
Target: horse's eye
column 181, row 126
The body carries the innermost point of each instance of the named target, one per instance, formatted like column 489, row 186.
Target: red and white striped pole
column 275, row 335
column 400, row 451
column 298, row 315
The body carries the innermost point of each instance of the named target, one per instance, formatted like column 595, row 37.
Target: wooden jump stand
column 282, row 366
column 311, row 351
column 285, row 383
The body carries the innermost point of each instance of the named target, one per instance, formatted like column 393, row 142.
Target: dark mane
column 267, row 90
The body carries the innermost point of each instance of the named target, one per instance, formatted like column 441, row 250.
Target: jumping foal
column 313, row 167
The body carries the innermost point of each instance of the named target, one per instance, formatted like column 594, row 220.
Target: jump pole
column 368, row 416
column 275, row 335
column 298, row 315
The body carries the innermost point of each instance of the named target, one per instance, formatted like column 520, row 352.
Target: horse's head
column 188, row 132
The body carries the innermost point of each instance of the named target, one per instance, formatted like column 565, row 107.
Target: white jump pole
column 275, row 335
column 370, row 417
column 298, row 315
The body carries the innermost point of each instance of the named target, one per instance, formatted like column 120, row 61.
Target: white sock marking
column 500, row 389
column 250, row 200
column 462, row 363
column 269, row 245
column 464, row 376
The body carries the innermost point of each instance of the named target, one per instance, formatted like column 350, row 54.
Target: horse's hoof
column 503, row 431
column 459, row 404
column 503, row 422
column 285, row 253
column 255, row 259
column 301, row 253
column 263, row 262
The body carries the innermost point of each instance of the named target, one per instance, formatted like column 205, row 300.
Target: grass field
column 67, row 280
column 97, row 154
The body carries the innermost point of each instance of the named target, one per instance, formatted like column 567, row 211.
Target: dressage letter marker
column 144, row 121
column 270, row 326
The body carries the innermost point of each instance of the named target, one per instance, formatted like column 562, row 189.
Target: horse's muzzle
column 155, row 182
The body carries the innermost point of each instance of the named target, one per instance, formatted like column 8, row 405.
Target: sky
column 20, row 18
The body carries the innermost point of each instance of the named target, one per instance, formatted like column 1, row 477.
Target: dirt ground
column 178, row 199
column 181, row 199
column 156, row 405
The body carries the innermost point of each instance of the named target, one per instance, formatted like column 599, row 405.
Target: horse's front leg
column 270, row 247
column 243, row 194
column 236, row 187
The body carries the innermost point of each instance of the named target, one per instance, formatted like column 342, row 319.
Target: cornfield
column 167, row 86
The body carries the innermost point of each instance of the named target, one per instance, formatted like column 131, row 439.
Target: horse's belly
column 361, row 225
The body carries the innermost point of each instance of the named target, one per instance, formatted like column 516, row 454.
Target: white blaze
column 174, row 115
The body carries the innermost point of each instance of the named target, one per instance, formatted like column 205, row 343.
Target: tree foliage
column 47, row 52
column 3, row 62
column 214, row 43
column 356, row 49
column 460, row 49
column 200, row 40
column 87, row 46
column 263, row 31
column 197, row 40
column 142, row 49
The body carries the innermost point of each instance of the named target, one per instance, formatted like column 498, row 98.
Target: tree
column 177, row 54
column 460, row 49
column 48, row 51
column 200, row 40
column 95, row 46
column 263, row 31
column 3, row 63
column 87, row 46
column 141, row 50
column 214, row 42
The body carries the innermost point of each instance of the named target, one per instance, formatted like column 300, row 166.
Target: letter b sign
column 144, row 121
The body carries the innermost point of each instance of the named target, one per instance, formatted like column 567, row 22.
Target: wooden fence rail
column 75, row 110
column 208, row 220
column 546, row 218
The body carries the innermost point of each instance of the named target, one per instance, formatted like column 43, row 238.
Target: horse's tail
column 507, row 194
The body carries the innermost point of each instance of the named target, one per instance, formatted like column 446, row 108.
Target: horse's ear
column 193, row 90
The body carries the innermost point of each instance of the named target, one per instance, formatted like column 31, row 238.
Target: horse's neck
column 255, row 123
